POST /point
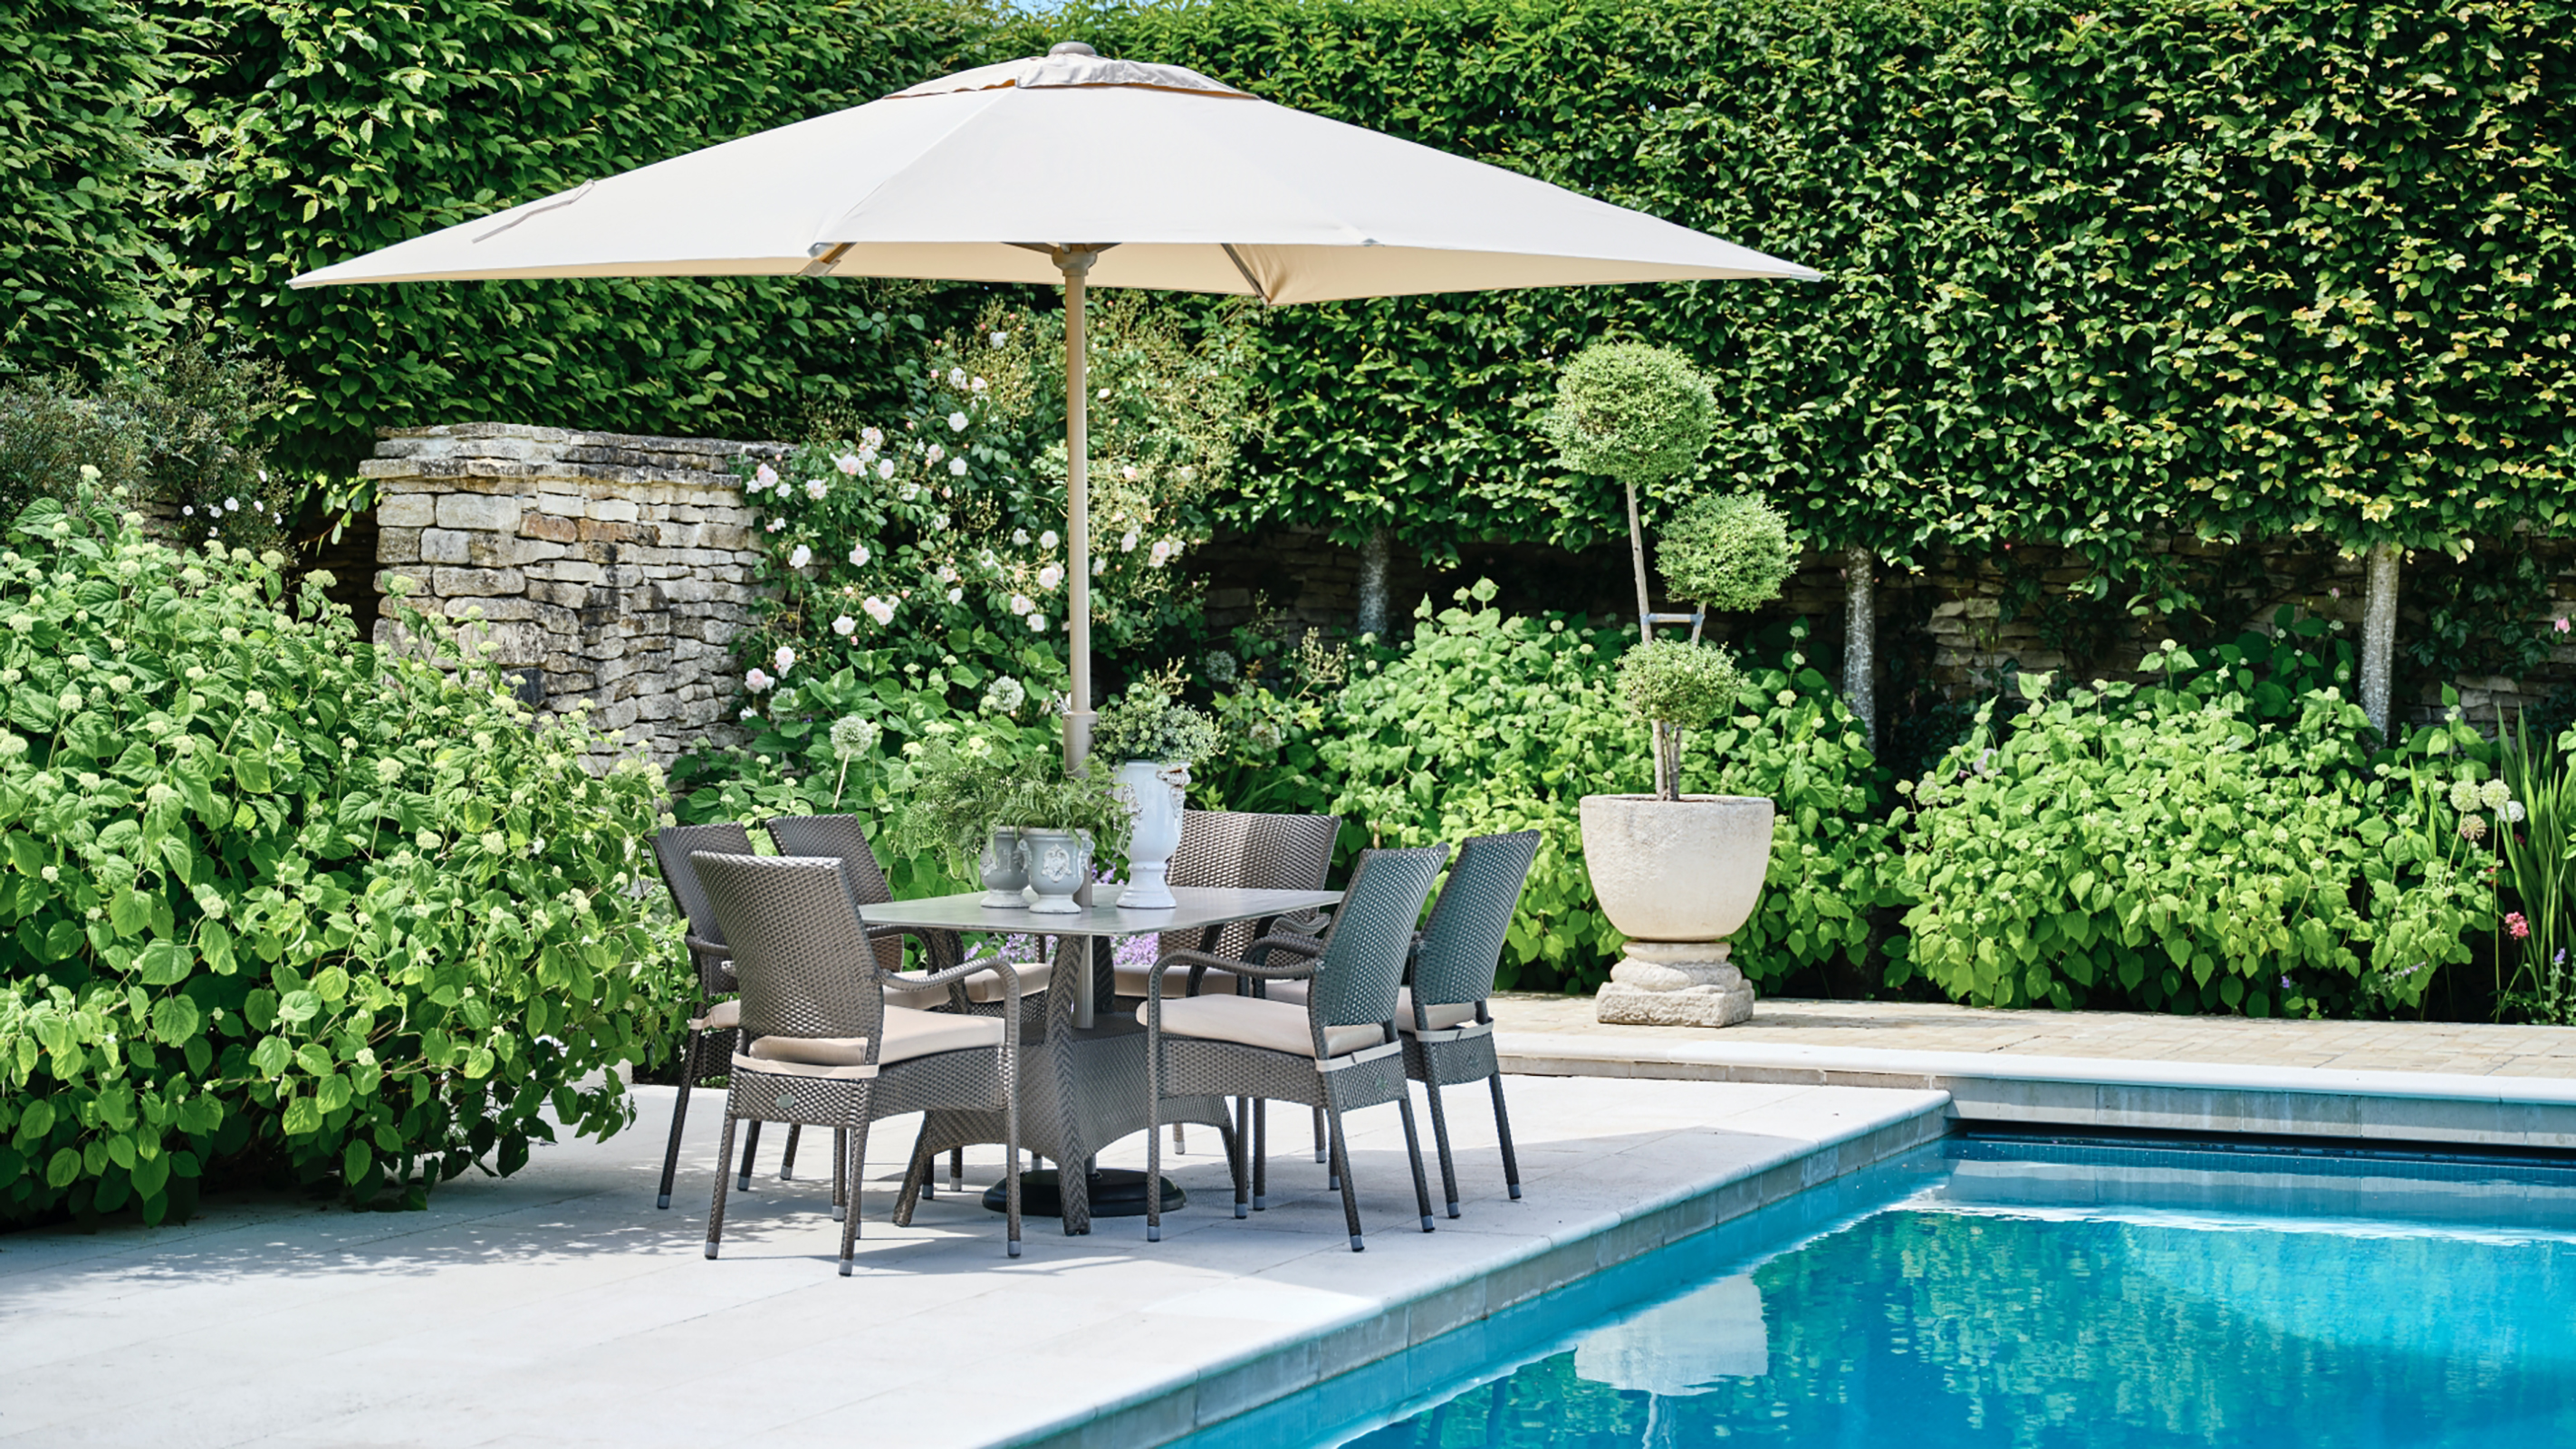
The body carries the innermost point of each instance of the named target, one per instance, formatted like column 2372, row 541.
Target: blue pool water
column 2023, row 1294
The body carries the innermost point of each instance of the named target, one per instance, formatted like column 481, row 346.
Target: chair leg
column 1180, row 1141
column 840, row 1176
column 1260, row 1155
column 679, row 1120
column 1234, row 1159
column 858, row 1166
column 1341, row 1164
column 1440, row 1139
column 1503, row 1129
column 1153, row 1157
column 750, row 1149
column 724, row 1159
column 916, row 1176
column 787, row 1157
column 1011, row 1157
column 956, row 1169
column 1413, row 1153
column 1319, row 1134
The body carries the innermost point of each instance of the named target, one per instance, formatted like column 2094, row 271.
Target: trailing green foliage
column 2094, row 276
column 82, row 183
column 271, row 892
column 1147, row 723
column 1483, row 722
column 2217, row 841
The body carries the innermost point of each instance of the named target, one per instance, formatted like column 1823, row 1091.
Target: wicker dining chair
column 1448, row 1034
column 712, row 1034
column 1243, row 850
column 1338, row 1051
column 845, row 838
column 825, row 1049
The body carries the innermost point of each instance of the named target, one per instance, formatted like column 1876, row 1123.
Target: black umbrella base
column 1116, row 1192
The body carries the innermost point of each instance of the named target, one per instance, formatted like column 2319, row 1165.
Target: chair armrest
column 1258, row 953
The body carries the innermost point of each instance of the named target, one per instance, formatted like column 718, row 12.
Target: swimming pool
column 2034, row 1294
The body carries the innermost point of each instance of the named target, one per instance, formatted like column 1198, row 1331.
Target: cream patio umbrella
column 1070, row 167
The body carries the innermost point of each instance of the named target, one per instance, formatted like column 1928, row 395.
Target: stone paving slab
column 2455, row 1048
column 2422, row 1084
column 557, row 1307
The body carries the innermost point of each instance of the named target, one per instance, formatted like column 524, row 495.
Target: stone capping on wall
column 612, row 568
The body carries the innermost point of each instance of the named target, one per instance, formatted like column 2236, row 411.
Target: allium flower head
column 1218, row 666
column 2464, row 796
column 2473, row 828
column 853, row 736
column 2494, row 794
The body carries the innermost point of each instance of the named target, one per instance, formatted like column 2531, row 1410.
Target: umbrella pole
column 1076, row 266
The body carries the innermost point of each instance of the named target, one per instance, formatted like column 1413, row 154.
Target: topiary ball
column 1633, row 412
column 1726, row 551
column 1690, row 686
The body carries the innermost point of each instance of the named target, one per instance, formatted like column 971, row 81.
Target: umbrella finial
column 1070, row 47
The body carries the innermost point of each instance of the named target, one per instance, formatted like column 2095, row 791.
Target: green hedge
column 80, row 183
column 324, row 134
column 2096, row 272
column 271, row 895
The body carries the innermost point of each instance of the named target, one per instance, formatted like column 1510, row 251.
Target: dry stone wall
column 606, row 568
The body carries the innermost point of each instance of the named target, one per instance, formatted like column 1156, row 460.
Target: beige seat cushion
column 908, row 1034
column 1442, row 1017
column 1176, row 981
column 1275, row 1025
column 982, row 986
column 723, row 1016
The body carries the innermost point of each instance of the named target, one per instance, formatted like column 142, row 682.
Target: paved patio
column 557, row 1307
column 2374, row 1046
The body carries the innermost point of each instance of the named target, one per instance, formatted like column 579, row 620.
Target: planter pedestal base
column 1675, row 983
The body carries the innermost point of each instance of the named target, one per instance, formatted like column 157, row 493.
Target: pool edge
column 1174, row 1411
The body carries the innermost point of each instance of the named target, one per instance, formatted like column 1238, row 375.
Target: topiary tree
column 1635, row 413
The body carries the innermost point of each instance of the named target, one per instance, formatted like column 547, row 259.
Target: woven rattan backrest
column 843, row 838
column 806, row 964
column 672, row 847
column 1464, row 939
column 1363, row 961
column 1239, row 850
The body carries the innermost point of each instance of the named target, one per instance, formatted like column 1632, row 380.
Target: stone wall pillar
column 606, row 567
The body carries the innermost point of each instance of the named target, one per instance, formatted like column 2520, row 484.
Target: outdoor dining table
column 1083, row 1081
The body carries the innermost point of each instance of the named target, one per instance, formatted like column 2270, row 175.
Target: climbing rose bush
column 275, row 897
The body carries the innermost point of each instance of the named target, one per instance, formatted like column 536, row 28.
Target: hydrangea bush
column 274, row 896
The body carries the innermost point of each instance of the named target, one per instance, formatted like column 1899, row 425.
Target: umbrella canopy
column 1093, row 172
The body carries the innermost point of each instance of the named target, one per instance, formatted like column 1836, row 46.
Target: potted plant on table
column 1157, row 739
column 1015, row 816
column 1675, row 873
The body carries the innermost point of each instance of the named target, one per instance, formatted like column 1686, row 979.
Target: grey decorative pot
column 1677, row 877
column 1059, row 862
column 1005, row 869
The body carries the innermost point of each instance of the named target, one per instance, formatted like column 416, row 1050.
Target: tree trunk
column 1860, row 639
column 2378, row 633
column 1375, row 559
column 1637, row 557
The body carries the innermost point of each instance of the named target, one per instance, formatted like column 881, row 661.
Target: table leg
column 1077, row 951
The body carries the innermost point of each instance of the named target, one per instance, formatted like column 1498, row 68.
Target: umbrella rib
column 1235, row 257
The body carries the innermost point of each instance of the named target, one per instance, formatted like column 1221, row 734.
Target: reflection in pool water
column 2059, row 1303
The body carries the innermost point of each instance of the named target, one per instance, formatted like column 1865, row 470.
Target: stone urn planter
column 1004, row 867
column 1059, row 864
column 1677, row 877
column 1154, row 794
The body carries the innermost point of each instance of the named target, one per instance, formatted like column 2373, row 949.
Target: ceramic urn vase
column 1059, row 861
column 1153, row 793
column 1005, row 870
column 1677, row 877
